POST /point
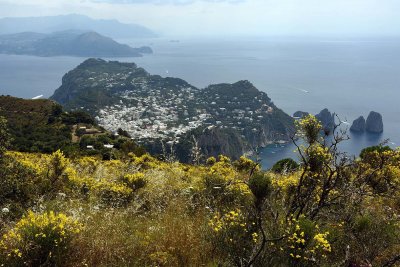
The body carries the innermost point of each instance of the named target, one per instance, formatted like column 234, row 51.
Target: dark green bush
column 285, row 165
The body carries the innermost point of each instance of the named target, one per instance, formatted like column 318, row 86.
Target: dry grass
column 125, row 238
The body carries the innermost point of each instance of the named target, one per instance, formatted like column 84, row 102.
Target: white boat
column 37, row 97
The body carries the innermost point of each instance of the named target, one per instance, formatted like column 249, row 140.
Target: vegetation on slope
column 330, row 211
column 42, row 126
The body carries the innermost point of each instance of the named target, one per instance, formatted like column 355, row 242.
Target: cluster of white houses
column 152, row 114
column 149, row 111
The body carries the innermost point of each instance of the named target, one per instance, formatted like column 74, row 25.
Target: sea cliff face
column 224, row 118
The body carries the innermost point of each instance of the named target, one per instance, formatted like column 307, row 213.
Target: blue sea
column 348, row 76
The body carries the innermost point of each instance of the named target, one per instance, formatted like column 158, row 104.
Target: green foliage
column 369, row 150
column 260, row 186
column 39, row 125
column 285, row 166
column 123, row 133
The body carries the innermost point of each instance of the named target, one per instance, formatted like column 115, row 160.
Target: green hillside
column 35, row 125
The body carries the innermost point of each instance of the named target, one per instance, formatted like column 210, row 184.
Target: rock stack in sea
column 374, row 123
column 358, row 125
column 327, row 120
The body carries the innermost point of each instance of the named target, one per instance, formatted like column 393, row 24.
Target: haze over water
column 349, row 77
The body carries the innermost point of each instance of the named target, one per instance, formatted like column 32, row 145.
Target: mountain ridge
column 67, row 43
column 112, row 28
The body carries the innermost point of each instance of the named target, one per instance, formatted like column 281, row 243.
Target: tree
column 122, row 132
column 285, row 166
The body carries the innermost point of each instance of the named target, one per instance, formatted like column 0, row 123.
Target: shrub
column 260, row 185
column 211, row 161
column 317, row 157
column 4, row 136
column 233, row 235
column 134, row 181
column 58, row 163
column 145, row 161
column 366, row 152
column 309, row 127
column 18, row 183
column 114, row 194
column 39, row 239
column 305, row 244
column 244, row 164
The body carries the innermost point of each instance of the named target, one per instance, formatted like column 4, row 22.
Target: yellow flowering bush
column 309, row 128
column 244, row 164
column 211, row 161
column 233, row 234
column 38, row 239
column 113, row 194
column 317, row 157
column 134, row 181
column 305, row 243
column 33, row 162
column 223, row 168
column 224, row 184
column 285, row 182
column 58, row 163
column 145, row 161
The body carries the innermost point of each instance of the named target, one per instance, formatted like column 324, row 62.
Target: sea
column 350, row 77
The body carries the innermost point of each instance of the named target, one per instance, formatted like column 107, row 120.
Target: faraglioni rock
column 374, row 123
column 300, row 114
column 327, row 120
column 358, row 125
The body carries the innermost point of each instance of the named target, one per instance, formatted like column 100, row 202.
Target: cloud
column 230, row 17
column 166, row 2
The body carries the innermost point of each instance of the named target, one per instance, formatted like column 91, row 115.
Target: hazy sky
column 230, row 17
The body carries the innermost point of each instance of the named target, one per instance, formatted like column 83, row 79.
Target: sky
column 230, row 17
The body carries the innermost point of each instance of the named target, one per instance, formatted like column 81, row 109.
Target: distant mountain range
column 228, row 119
column 49, row 24
column 67, row 43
